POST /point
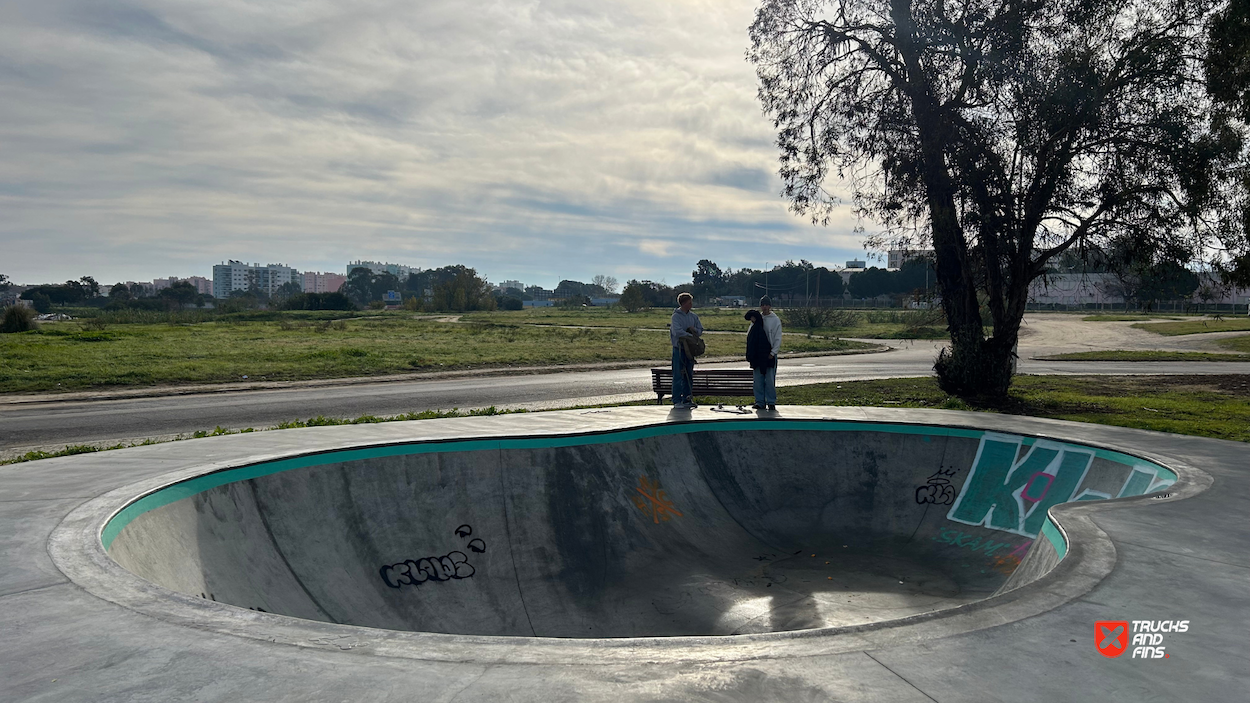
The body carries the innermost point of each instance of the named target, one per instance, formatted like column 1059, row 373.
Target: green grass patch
column 1240, row 345
column 73, row 449
column 1204, row 406
column 1133, row 355
column 1175, row 329
column 866, row 324
column 66, row 356
column 1125, row 318
column 323, row 421
column 319, row 421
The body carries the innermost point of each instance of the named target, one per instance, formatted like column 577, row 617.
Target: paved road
column 55, row 424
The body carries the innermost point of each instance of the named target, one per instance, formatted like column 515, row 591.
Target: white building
column 1081, row 289
column 853, row 267
column 510, row 284
column 377, row 267
column 895, row 258
column 202, row 285
column 1076, row 289
column 236, row 275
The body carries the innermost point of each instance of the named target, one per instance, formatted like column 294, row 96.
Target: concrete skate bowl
column 719, row 528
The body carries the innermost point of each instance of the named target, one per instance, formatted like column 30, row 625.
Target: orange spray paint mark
column 652, row 501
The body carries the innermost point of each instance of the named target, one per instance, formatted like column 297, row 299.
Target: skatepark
column 631, row 553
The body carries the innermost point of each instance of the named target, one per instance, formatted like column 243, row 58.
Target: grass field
column 1240, row 345
column 1174, row 329
column 1136, row 355
column 73, row 356
column 1205, row 406
column 1128, row 318
column 865, row 324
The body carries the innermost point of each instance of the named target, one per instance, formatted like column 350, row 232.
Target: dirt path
column 1046, row 334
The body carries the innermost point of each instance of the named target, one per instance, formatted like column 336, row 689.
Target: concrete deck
column 104, row 634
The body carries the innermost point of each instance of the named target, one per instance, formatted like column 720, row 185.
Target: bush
column 817, row 318
column 318, row 301
column 18, row 318
column 507, row 302
column 42, row 303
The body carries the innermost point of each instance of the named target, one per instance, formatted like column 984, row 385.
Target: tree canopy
column 1002, row 134
column 363, row 286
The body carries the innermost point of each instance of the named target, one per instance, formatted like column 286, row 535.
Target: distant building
column 895, row 258
column 398, row 270
column 146, row 288
column 1091, row 289
column 1078, row 289
column 317, row 282
column 202, row 285
column 236, row 275
column 853, row 267
column 510, row 284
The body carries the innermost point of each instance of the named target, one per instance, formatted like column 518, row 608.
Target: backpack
column 694, row 346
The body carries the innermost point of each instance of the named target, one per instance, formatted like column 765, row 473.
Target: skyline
column 535, row 142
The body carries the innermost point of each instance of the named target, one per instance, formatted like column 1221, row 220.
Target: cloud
column 532, row 140
column 654, row 247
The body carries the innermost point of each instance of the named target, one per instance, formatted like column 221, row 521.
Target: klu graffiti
column 453, row 565
column 1009, row 492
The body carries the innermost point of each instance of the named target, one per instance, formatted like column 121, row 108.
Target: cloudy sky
column 534, row 140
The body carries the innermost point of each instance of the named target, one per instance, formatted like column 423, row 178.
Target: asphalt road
column 54, row 424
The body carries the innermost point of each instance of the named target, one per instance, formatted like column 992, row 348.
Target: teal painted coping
column 200, row 484
column 1053, row 534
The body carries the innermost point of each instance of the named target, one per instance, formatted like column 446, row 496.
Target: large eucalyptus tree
column 1002, row 134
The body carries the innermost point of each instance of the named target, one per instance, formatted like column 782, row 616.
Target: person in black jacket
column 759, row 355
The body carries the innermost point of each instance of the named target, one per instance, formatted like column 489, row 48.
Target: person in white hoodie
column 766, row 379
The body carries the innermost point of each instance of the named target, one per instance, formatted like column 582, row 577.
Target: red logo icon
column 1111, row 636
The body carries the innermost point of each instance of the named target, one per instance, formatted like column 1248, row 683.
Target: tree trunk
column 973, row 366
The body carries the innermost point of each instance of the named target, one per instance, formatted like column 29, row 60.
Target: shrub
column 319, row 301
column 18, row 318
column 817, row 318
column 507, row 302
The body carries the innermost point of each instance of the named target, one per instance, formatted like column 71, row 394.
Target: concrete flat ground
column 106, row 635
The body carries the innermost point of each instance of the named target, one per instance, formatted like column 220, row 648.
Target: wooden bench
column 714, row 382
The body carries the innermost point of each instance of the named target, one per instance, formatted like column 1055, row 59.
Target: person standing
column 766, row 381
column 759, row 356
column 684, row 324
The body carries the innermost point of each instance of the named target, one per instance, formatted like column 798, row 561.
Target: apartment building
column 895, row 258
column 398, row 270
column 237, row 275
column 202, row 285
column 317, row 282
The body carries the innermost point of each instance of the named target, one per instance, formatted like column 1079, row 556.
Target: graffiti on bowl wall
column 1011, row 492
